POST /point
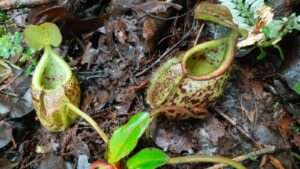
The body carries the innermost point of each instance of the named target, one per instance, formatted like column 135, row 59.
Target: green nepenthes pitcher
column 55, row 89
column 185, row 85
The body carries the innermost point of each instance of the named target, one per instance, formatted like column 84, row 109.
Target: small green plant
column 3, row 20
column 295, row 128
column 257, row 18
column 297, row 88
column 253, row 158
column 125, row 139
column 277, row 29
column 296, row 156
column 55, row 89
column 11, row 46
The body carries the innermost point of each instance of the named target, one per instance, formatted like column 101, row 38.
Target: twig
column 13, row 4
column 204, row 159
column 257, row 145
column 267, row 150
column 165, row 54
column 242, row 131
column 89, row 72
column 198, row 35
column 96, row 76
column 158, row 17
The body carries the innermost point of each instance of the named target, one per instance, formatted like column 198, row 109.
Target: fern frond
column 243, row 11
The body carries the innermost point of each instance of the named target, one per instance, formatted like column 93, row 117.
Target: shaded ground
column 112, row 57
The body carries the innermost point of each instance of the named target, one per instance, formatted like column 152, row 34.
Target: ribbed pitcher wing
column 164, row 82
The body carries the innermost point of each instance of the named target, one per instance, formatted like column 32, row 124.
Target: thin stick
column 13, row 4
column 242, row 131
column 89, row 120
column 198, row 35
column 267, row 150
column 164, row 54
column 205, row 159
column 158, row 17
column 14, row 143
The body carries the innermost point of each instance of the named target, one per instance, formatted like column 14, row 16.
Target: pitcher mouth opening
column 210, row 59
column 52, row 72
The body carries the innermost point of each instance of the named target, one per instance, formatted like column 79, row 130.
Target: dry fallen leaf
column 248, row 105
column 5, row 134
column 69, row 25
column 215, row 130
column 296, row 140
column 257, row 87
column 275, row 162
column 284, row 125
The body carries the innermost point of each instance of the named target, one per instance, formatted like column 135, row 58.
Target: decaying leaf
column 248, row 103
column 66, row 21
column 15, row 99
column 265, row 16
column 215, row 130
column 51, row 161
column 153, row 28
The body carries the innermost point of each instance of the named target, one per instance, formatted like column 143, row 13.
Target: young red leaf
column 101, row 165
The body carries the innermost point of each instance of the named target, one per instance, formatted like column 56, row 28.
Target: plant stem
column 263, row 151
column 90, row 120
column 205, row 159
column 147, row 131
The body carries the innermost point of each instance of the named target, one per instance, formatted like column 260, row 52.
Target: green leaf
column 262, row 55
column 2, row 31
column 125, row 138
column 147, row 159
column 266, row 31
column 30, row 67
column 278, row 28
column 3, row 16
column 37, row 37
column 297, row 156
column 297, row 88
column 18, row 37
column 29, row 52
column 274, row 29
column 281, row 54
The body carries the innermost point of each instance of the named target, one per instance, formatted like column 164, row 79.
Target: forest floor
column 114, row 48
